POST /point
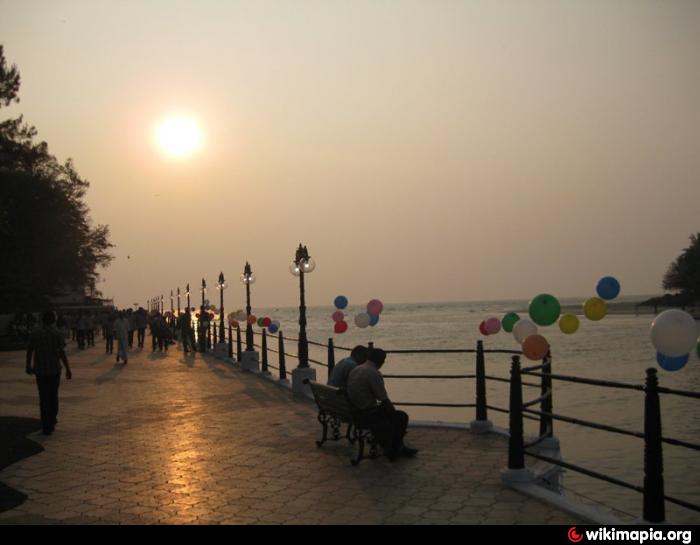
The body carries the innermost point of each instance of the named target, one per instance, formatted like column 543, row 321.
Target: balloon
column 212, row 308
column 234, row 323
column 669, row 363
column 373, row 319
column 375, row 306
column 338, row 316
column 276, row 323
column 211, row 315
column 196, row 315
column 340, row 327
column 608, row 288
column 273, row 328
column 482, row 328
column 568, row 323
column 674, row 333
column 535, row 347
column 241, row 315
column 523, row 329
column 509, row 321
column 595, row 309
column 252, row 319
column 340, row 302
column 492, row 326
column 260, row 322
column 266, row 322
column 362, row 320
column 544, row 309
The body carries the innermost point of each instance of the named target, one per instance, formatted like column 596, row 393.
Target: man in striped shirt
column 45, row 353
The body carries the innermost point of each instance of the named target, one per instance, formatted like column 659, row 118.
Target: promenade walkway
column 175, row 439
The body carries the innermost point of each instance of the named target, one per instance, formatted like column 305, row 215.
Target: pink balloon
column 375, row 307
column 492, row 326
column 338, row 316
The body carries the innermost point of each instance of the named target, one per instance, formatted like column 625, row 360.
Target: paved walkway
column 175, row 439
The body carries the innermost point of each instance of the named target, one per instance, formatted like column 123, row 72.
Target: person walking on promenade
column 109, row 332
column 186, row 332
column 367, row 393
column 140, row 322
column 121, row 332
column 203, row 329
column 90, row 331
column 341, row 371
column 45, row 353
column 81, row 327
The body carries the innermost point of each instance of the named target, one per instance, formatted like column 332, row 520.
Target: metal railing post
column 238, row 343
column 481, row 424
column 230, row 341
column 654, row 508
column 331, row 358
column 516, row 450
column 264, row 351
column 547, row 403
column 282, row 361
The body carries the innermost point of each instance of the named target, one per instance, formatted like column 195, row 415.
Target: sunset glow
column 179, row 137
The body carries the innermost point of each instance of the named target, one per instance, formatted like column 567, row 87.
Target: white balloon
column 522, row 329
column 362, row 320
column 674, row 333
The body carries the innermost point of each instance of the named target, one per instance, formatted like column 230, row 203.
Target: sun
column 179, row 136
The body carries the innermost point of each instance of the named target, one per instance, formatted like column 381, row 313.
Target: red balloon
column 341, row 327
column 266, row 322
column 482, row 329
column 535, row 347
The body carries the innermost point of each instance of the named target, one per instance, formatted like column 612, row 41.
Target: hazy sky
column 423, row 150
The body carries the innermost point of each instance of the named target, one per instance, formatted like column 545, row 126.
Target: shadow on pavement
column 14, row 446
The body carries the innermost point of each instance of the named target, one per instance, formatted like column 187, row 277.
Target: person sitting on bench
column 341, row 372
column 365, row 389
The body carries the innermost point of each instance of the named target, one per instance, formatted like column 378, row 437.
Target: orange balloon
column 535, row 347
column 252, row 319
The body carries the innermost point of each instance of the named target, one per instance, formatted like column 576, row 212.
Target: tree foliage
column 684, row 273
column 47, row 239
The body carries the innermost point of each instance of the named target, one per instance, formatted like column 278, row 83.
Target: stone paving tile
column 175, row 440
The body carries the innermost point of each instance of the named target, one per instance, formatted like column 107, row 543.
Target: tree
column 684, row 273
column 46, row 235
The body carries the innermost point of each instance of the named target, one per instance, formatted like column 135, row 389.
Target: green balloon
column 544, row 309
column 509, row 321
column 260, row 321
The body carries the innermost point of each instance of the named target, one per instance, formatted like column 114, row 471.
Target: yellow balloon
column 568, row 323
column 595, row 309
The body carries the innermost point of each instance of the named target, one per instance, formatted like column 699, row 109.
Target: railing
column 652, row 489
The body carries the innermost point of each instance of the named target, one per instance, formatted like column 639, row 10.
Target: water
column 617, row 348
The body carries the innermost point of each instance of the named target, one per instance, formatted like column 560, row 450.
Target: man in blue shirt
column 339, row 377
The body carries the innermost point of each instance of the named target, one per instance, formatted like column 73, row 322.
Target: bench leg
column 348, row 435
column 323, row 419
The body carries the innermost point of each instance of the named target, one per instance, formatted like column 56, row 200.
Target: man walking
column 45, row 353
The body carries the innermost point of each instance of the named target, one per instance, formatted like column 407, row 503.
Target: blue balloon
column 373, row 319
column 608, row 288
column 273, row 328
column 671, row 364
column 341, row 302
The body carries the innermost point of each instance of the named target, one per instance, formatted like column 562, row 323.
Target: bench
column 334, row 409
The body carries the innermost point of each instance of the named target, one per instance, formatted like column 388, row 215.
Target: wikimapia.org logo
column 638, row 536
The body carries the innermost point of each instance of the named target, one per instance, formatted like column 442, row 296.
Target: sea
column 617, row 348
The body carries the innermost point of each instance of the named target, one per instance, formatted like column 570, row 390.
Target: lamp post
column 172, row 300
column 187, row 292
column 221, row 286
column 203, row 289
column 178, row 300
column 161, row 304
column 248, row 278
column 302, row 265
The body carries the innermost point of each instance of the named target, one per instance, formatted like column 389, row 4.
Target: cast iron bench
column 335, row 409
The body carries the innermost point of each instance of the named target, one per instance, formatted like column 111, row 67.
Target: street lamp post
column 302, row 265
column 187, row 292
column 221, row 286
column 172, row 302
column 161, row 304
column 178, row 300
column 203, row 290
column 248, row 278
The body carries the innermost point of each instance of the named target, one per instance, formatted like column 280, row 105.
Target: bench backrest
column 332, row 400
